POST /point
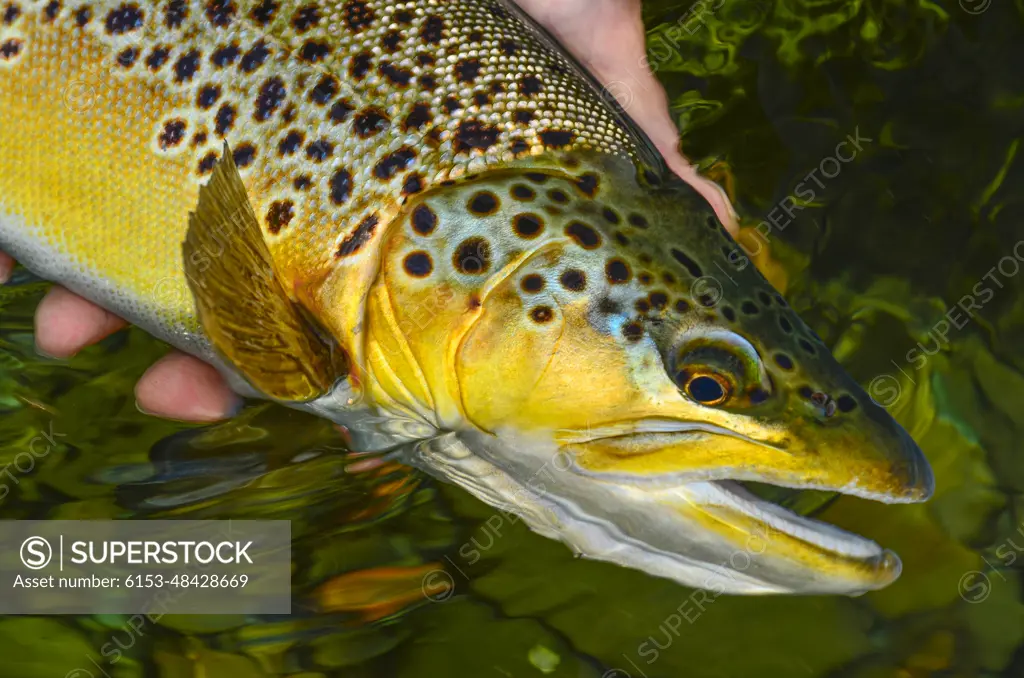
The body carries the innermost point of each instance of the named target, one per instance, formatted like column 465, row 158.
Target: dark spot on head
column 175, row 13
column 413, row 184
column 557, row 138
column 313, row 51
column 468, row 70
column 472, row 256
column 207, row 96
column 642, row 306
column 220, row 12
column 783, row 361
column 707, row 300
column 633, row 331
column 341, row 186
column 225, row 56
column 433, row 29
column 558, row 195
column 588, row 184
column 418, row 264
column 172, row 133
column 617, row 271
column 523, row 192
column 302, row 182
column 638, row 221
column 682, row 306
column 476, row 36
column 126, row 57
column 527, row 225
column 749, row 308
column 807, row 346
column 263, row 13
column 475, row 134
column 712, row 222
column 272, row 94
column 244, row 154
column 689, row 264
column 659, row 300
column 369, row 122
column 786, row 326
column 393, row 163
column 424, row 59
column 279, row 215
column 729, row 314
column 766, row 299
column 483, row 203
column 532, row 283
column 254, row 58
column 157, row 58
column 574, row 280
column 518, row 147
column 423, row 220
column 529, row 85
column 610, row 215
column 584, row 235
column 542, row 314
column 758, row 396
column 536, row 177
column 481, row 99
column 391, row 41
column 428, row 83
column 186, row 66
column 846, row 403
column 359, row 237
column 452, row 104
column 199, row 139
column 360, row 65
column 224, row 119
column 358, row 15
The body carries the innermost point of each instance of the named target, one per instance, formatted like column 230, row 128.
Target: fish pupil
column 705, row 390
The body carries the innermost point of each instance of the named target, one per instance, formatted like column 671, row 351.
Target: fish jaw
column 711, row 534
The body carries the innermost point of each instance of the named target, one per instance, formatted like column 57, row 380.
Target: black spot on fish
column 272, row 94
column 574, row 280
column 126, row 58
column 556, row 138
column 588, row 184
column 359, row 237
column 225, row 119
column 583, row 235
column 433, row 30
column 682, row 306
column 530, row 85
column 729, row 314
column 305, row 18
column 418, row 264
column 263, row 13
column 172, row 134
column 527, row 225
column 638, row 221
column 633, row 331
column 157, row 58
column 807, row 346
column 207, row 163
column 254, row 58
column 688, row 263
column 483, row 203
column 314, row 51
column 523, row 117
column 302, row 182
column 244, row 154
column 340, row 111
column 324, row 90
column 51, row 10
column 468, row 70
column 291, row 143
column 413, row 184
column 542, row 314
column 423, row 220
column 186, row 66
column 395, row 75
column 617, row 272
column 532, row 283
column 319, row 150
column 392, row 164
column 783, row 361
column 225, row 56
column 83, row 15
column 358, row 15
column 175, row 13
column 341, row 186
column 659, row 300
column 749, row 308
column 523, row 192
column 369, row 122
column 472, row 256
column 220, row 12
column 207, row 96
column 279, row 215
column 419, row 116
column 475, row 134
column 846, row 403
column 558, row 195
column 124, row 19
column 508, row 46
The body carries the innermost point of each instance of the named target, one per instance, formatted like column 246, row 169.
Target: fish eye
column 708, row 388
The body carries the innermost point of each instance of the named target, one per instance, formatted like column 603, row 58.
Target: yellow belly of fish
column 77, row 173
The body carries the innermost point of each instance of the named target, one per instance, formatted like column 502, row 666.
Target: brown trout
column 422, row 220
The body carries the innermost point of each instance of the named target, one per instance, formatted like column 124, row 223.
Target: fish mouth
column 702, row 528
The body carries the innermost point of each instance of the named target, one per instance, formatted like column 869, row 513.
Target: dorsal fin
column 242, row 306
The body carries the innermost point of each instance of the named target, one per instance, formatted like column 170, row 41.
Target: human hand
column 606, row 36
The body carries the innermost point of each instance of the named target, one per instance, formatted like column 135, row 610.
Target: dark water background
column 903, row 259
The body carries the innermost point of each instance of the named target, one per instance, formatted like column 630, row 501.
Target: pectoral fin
column 241, row 303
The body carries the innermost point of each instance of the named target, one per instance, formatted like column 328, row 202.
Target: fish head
column 620, row 336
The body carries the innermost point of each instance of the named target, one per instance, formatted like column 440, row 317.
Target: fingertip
column 6, row 267
column 181, row 387
column 65, row 323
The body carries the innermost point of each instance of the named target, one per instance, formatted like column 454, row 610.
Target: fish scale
column 423, row 221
